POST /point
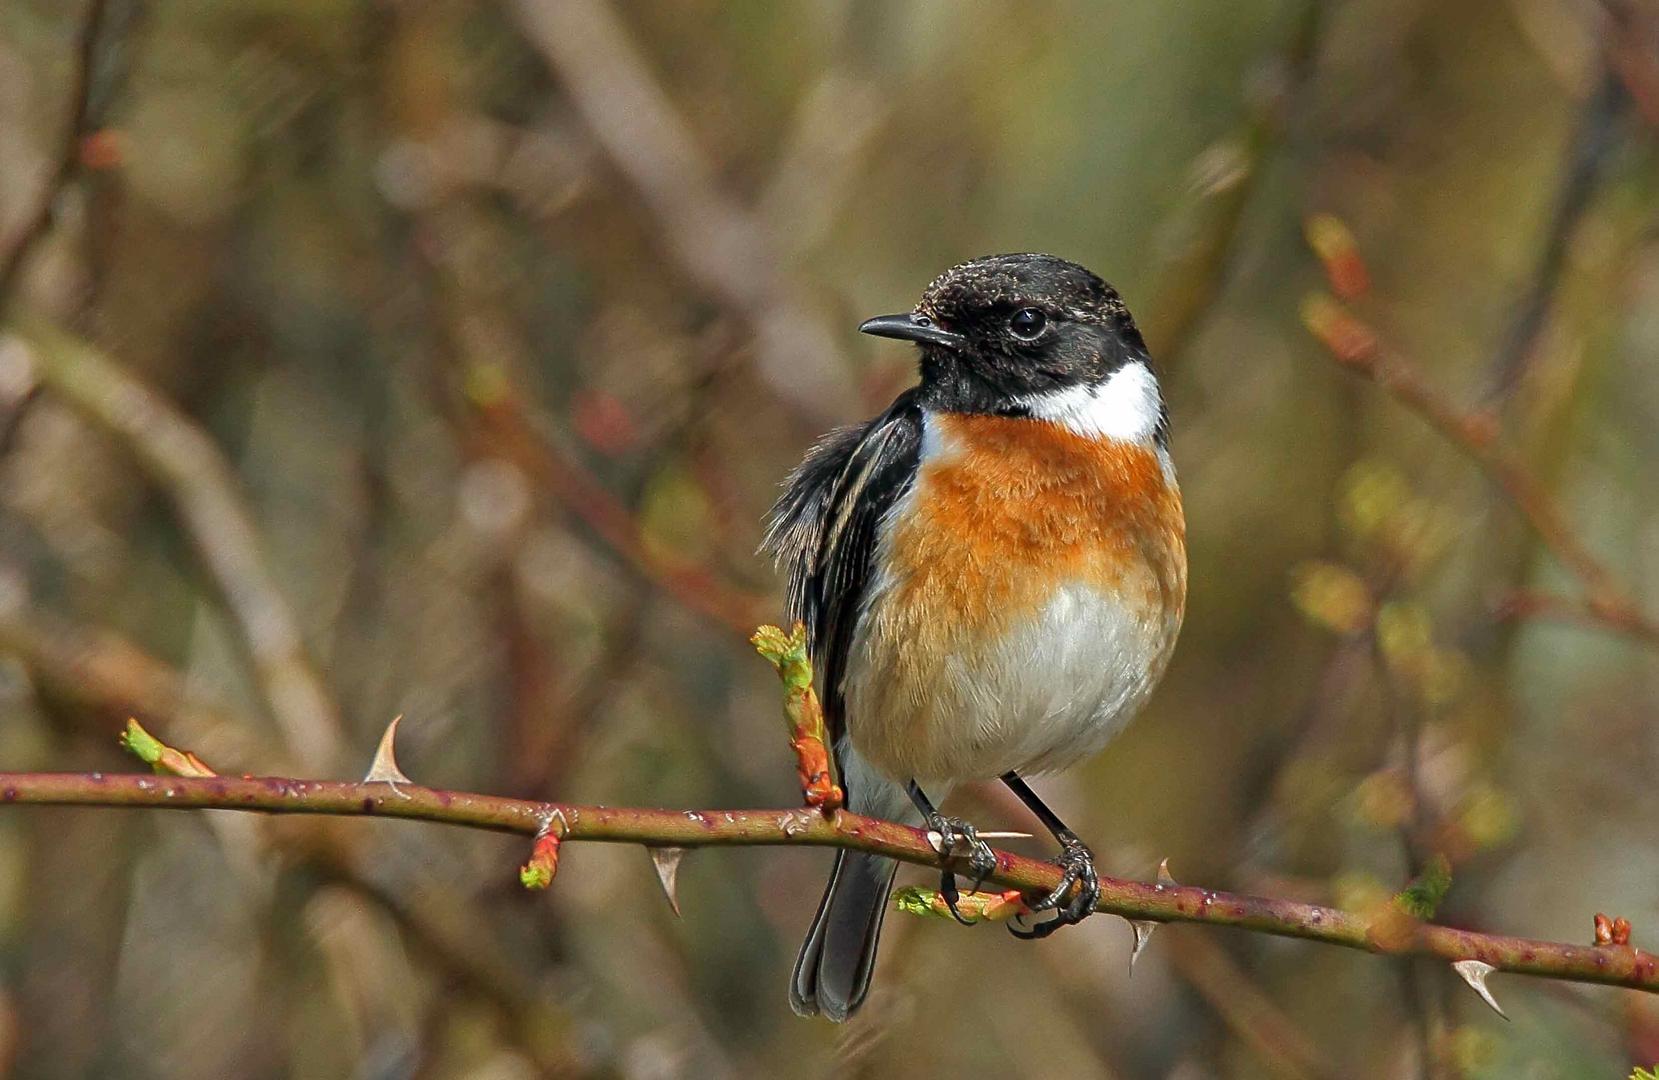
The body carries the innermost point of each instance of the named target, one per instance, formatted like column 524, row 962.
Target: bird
column 992, row 574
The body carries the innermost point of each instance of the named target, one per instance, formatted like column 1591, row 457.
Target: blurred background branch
column 1355, row 346
column 724, row 249
column 184, row 461
column 16, row 249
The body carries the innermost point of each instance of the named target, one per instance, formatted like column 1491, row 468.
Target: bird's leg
column 1076, row 863
column 954, row 832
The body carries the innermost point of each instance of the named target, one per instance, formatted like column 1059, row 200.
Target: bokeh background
column 499, row 324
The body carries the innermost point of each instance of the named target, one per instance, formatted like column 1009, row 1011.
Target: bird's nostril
column 923, row 320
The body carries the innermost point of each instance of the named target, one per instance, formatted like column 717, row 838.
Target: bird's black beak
column 911, row 327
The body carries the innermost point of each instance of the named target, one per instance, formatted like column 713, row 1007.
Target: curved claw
column 954, row 833
column 1076, row 862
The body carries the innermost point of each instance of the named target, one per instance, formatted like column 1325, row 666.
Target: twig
column 1355, row 346
column 558, row 473
column 1588, row 151
column 723, row 248
column 186, row 464
column 492, row 412
column 1526, row 604
column 1610, row 965
column 835, row 122
column 470, row 961
column 104, row 672
column 1253, row 1016
column 68, row 157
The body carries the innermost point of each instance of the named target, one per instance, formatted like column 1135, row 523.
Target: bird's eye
column 1027, row 324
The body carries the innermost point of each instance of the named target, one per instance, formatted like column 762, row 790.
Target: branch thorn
column 384, row 769
column 1165, row 878
column 1474, row 972
column 667, row 863
column 1143, row 933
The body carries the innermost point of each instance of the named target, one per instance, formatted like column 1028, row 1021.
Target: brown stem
column 1614, row 965
column 1249, row 1012
column 1526, row 604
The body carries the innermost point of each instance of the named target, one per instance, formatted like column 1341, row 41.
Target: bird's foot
column 955, row 835
column 1076, row 863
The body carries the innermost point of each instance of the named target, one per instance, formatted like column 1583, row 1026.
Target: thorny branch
column 1392, row 933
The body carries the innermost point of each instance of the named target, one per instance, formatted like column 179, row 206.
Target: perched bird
column 992, row 573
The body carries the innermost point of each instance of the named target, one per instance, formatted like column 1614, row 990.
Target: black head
column 998, row 330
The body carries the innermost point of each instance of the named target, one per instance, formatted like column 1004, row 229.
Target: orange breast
column 1010, row 507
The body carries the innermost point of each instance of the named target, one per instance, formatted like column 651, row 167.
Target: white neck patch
column 1126, row 406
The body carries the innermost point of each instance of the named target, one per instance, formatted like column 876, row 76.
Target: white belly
column 1030, row 587
column 1051, row 689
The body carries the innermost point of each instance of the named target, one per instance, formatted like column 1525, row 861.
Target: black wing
column 824, row 529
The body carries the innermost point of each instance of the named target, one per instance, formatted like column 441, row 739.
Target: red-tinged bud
column 803, row 714
column 1349, row 340
column 103, row 149
column 544, row 862
column 1612, row 931
column 812, row 768
column 973, row 907
column 164, row 759
column 604, row 422
column 1339, row 253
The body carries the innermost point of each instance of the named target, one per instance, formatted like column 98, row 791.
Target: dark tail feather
column 833, row 971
